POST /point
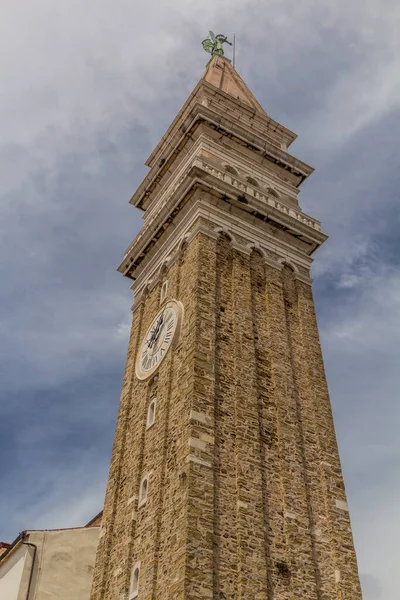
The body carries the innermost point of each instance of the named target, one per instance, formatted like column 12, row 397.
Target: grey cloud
column 372, row 589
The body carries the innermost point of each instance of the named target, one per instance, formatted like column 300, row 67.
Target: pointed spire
column 222, row 75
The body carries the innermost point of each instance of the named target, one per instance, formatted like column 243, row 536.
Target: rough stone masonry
column 245, row 495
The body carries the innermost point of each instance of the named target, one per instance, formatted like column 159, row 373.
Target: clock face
column 158, row 339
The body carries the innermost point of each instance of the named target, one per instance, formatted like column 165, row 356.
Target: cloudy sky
column 87, row 89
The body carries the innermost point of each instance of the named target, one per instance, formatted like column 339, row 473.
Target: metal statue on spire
column 214, row 43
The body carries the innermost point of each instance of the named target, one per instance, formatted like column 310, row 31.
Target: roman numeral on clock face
column 146, row 362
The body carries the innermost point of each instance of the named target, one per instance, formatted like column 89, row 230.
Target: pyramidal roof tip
column 221, row 74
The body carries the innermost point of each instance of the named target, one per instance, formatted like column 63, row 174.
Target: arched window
column 134, row 591
column 231, row 170
column 151, row 414
column 144, row 489
column 272, row 192
column 252, row 181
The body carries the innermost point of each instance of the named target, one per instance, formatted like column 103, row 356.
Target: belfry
column 225, row 480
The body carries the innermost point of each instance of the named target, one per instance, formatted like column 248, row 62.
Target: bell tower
column 225, row 480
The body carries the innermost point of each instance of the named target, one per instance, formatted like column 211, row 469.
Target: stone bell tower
column 225, row 480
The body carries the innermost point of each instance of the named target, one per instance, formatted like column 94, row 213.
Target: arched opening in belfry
column 273, row 192
column 231, row 170
column 252, row 181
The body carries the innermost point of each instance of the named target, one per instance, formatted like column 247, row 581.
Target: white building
column 54, row 564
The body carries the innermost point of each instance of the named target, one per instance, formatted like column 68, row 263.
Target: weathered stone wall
column 246, row 498
column 155, row 534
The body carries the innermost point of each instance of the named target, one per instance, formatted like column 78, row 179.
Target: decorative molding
column 248, row 168
column 259, row 195
column 241, row 248
column 162, row 204
column 191, row 225
column 285, row 261
column 273, row 263
column 303, row 278
column 254, row 130
column 224, row 229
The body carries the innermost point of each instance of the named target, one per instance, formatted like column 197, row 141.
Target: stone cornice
column 206, row 91
column 170, row 252
column 201, row 113
column 257, row 141
column 262, row 121
column 198, row 171
column 154, row 273
column 206, row 146
column 197, row 214
column 261, row 199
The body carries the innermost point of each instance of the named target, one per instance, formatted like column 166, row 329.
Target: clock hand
column 156, row 330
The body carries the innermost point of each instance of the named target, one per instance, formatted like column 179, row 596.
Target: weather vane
column 214, row 43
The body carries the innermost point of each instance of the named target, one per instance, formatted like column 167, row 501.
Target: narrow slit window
column 151, row 414
column 144, row 488
column 135, row 582
column 164, row 291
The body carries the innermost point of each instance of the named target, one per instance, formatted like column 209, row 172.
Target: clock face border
column 177, row 306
